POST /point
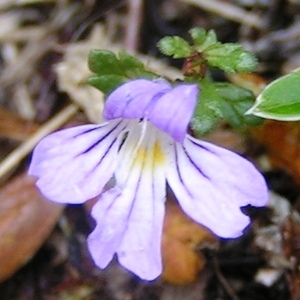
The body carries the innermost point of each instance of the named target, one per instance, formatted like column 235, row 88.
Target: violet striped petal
column 212, row 183
column 169, row 109
column 111, row 213
column 174, row 110
column 140, row 250
column 131, row 225
column 134, row 99
column 73, row 165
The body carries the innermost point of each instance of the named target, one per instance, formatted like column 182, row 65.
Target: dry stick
column 134, row 19
column 22, row 35
column 229, row 11
column 34, row 50
column 25, row 148
column 223, row 280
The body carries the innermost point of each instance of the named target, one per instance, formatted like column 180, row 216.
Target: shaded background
column 43, row 68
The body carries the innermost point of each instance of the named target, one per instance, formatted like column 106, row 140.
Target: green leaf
column 201, row 125
column 106, row 83
column 111, row 70
column 198, row 35
column 219, row 101
column 129, row 63
column 207, row 51
column 210, row 40
column 207, row 112
column 104, row 62
column 280, row 100
column 230, row 58
column 234, row 102
column 174, row 46
column 246, row 62
column 133, row 67
column 227, row 57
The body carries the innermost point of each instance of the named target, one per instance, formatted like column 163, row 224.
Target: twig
column 223, row 280
column 19, row 153
column 34, row 50
column 229, row 11
column 22, row 35
column 20, row 70
column 134, row 19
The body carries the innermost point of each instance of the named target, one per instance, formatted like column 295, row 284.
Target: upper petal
column 212, row 183
column 169, row 109
column 74, row 164
column 134, row 99
column 174, row 110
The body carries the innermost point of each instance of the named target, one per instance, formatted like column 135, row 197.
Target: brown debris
column 13, row 127
column 281, row 141
column 26, row 219
column 181, row 238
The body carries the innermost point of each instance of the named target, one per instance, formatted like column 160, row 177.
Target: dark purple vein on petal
column 193, row 163
column 99, row 141
column 179, row 173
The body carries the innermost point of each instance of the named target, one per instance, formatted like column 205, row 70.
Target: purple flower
column 142, row 148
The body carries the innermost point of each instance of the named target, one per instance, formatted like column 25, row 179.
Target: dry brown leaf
column 282, row 143
column 73, row 72
column 181, row 238
column 13, row 127
column 26, row 220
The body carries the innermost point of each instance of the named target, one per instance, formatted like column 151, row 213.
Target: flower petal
column 212, row 183
column 73, row 165
column 111, row 214
column 174, row 110
column 140, row 250
column 132, row 225
column 169, row 109
column 134, row 99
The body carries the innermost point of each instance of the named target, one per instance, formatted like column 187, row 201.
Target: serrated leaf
column 230, row 58
column 113, row 70
column 247, row 62
column 104, row 62
column 234, row 102
column 210, row 40
column 219, row 101
column 133, row 67
column 174, row 46
column 280, row 100
column 129, row 62
column 234, row 114
column 198, row 35
column 207, row 112
column 106, row 83
column 201, row 125
column 234, row 93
